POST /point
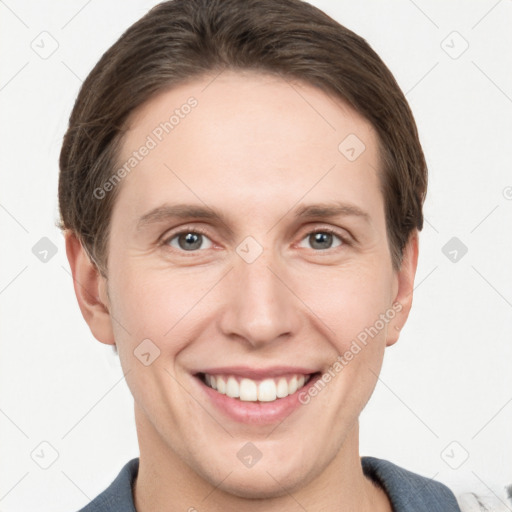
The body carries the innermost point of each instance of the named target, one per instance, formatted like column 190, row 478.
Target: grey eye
column 188, row 241
column 322, row 240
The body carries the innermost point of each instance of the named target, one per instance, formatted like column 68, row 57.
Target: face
column 248, row 252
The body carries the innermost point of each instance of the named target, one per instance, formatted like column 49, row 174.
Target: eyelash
column 199, row 230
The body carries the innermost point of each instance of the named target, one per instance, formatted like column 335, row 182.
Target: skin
column 255, row 148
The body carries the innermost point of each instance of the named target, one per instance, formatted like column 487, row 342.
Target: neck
column 165, row 482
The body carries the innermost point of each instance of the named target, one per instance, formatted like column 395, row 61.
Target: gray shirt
column 408, row 492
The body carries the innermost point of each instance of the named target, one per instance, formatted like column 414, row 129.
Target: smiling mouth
column 250, row 390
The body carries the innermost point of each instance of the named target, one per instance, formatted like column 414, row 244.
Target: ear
column 403, row 289
column 90, row 290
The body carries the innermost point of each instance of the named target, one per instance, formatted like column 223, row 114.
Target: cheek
column 166, row 306
column 354, row 310
column 350, row 301
column 152, row 315
column 158, row 304
column 147, row 300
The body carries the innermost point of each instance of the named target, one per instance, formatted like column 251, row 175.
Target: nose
column 260, row 306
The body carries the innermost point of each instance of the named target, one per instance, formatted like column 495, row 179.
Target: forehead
column 240, row 140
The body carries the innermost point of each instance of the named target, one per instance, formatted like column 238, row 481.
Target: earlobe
column 402, row 302
column 90, row 290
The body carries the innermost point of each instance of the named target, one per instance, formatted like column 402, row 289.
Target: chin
column 262, row 485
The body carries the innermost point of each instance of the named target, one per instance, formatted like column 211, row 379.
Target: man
column 241, row 191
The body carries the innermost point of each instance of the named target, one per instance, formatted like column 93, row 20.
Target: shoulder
column 118, row 495
column 409, row 491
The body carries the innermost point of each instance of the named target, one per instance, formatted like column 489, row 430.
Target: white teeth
column 292, row 385
column 282, row 388
column 267, row 391
column 221, row 386
column 249, row 390
column 232, row 388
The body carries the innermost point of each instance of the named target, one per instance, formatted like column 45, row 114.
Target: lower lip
column 258, row 413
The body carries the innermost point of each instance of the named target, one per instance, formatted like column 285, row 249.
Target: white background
column 449, row 377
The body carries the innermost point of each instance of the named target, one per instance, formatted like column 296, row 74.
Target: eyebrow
column 167, row 212
column 325, row 210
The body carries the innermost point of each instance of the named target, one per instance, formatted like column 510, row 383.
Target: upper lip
column 258, row 373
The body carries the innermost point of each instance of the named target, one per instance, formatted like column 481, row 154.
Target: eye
column 321, row 239
column 192, row 240
column 187, row 240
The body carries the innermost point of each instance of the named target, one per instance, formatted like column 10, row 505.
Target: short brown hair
column 180, row 40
